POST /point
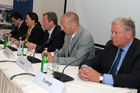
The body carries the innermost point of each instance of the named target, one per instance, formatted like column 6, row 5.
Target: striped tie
column 113, row 69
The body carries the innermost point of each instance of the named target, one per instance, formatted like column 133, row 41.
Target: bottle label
column 45, row 67
column 19, row 52
column 25, row 51
column 57, row 68
column 5, row 44
column 9, row 43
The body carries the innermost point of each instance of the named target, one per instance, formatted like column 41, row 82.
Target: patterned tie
column 27, row 34
column 113, row 69
column 71, row 41
column 70, row 45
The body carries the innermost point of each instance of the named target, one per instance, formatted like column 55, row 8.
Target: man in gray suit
column 79, row 44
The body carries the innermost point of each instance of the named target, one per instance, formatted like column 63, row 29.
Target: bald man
column 79, row 44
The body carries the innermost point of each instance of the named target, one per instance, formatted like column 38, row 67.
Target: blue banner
column 23, row 6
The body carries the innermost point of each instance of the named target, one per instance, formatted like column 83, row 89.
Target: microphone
column 12, row 48
column 1, row 41
column 32, row 59
column 30, row 74
column 7, row 61
column 9, row 36
column 63, row 77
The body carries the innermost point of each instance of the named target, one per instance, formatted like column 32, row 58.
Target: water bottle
column 19, row 49
column 5, row 40
column 44, row 64
column 56, row 61
column 25, row 48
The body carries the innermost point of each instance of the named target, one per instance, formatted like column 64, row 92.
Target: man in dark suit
column 20, row 27
column 53, row 38
column 119, row 64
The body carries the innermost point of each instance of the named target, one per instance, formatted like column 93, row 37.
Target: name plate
column 8, row 52
column 50, row 84
column 23, row 63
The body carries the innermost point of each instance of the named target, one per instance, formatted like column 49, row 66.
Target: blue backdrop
column 23, row 6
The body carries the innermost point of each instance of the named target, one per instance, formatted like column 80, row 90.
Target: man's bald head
column 71, row 18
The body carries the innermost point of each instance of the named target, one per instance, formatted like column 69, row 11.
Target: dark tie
column 113, row 69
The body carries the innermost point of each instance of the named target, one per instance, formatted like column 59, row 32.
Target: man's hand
column 15, row 41
column 12, row 39
column 31, row 46
column 50, row 57
column 89, row 74
column 45, row 51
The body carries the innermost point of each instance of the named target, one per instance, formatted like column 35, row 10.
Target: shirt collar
column 50, row 31
column 127, row 47
column 20, row 24
column 73, row 35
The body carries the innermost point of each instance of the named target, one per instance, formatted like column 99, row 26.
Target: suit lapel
column 67, row 39
column 110, row 59
column 128, row 56
column 74, row 40
column 53, row 34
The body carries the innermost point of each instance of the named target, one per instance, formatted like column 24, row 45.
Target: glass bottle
column 25, row 48
column 5, row 40
column 56, row 61
column 19, row 49
column 44, row 64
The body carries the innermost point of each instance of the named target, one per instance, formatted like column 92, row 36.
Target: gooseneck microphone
column 10, row 46
column 1, row 41
column 30, row 74
column 63, row 77
column 32, row 59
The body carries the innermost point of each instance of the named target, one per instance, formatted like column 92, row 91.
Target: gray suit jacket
column 81, row 48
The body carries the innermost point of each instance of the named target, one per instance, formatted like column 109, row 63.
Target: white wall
column 43, row 6
column 97, row 15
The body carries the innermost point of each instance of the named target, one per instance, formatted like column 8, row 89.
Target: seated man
column 78, row 45
column 119, row 64
column 20, row 27
column 53, row 37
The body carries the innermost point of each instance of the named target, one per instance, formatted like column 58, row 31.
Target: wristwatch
column 101, row 78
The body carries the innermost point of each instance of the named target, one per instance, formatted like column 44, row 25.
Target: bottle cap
column 46, row 48
column 20, row 38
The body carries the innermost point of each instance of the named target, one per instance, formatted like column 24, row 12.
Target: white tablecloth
column 7, row 86
column 27, row 85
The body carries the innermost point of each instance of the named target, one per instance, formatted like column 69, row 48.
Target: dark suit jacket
column 36, row 34
column 129, row 73
column 20, row 32
column 55, row 42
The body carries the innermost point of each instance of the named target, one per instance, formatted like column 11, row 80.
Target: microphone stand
column 1, row 41
column 32, row 59
column 12, row 48
column 63, row 77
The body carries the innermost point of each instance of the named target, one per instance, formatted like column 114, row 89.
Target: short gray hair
column 128, row 23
